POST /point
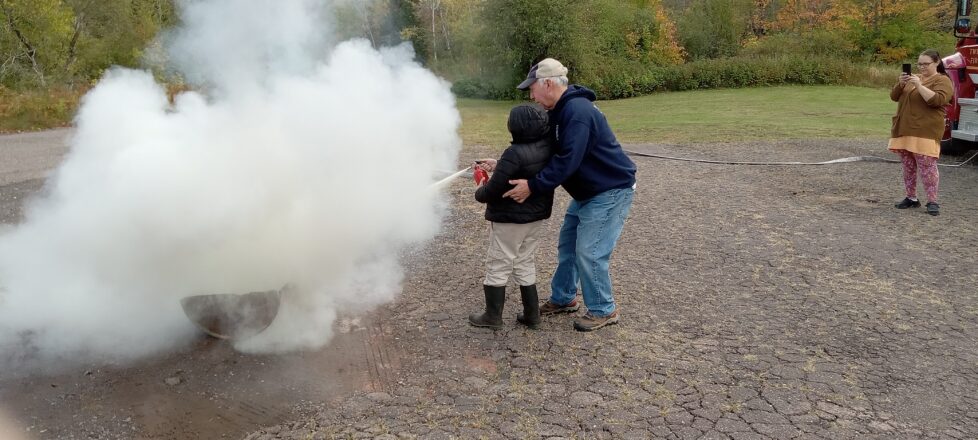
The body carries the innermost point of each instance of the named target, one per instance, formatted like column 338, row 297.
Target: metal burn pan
column 231, row 315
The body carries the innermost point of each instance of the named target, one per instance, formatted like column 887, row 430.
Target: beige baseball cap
column 548, row 68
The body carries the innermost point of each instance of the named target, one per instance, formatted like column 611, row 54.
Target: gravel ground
column 756, row 302
column 774, row 302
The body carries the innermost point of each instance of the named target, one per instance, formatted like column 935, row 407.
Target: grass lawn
column 786, row 112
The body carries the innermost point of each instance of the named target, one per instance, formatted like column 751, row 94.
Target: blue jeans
column 587, row 237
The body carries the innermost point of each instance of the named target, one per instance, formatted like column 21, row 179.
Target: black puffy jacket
column 529, row 153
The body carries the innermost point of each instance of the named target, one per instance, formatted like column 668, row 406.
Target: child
column 514, row 227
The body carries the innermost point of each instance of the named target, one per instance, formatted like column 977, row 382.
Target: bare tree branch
column 434, row 5
column 367, row 26
column 80, row 13
column 70, row 59
column 444, row 30
column 13, row 27
column 30, row 51
column 7, row 63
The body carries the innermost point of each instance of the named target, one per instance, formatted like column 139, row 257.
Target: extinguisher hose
column 447, row 180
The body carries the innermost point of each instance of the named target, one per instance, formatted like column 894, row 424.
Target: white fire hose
column 828, row 162
column 444, row 182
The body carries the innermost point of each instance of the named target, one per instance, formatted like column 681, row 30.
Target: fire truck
column 961, row 124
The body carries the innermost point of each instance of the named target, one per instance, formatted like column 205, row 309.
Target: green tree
column 604, row 43
column 113, row 32
column 379, row 21
column 715, row 28
column 892, row 31
column 445, row 32
column 32, row 37
column 523, row 32
column 64, row 41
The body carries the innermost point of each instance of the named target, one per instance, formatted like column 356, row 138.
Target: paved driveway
column 25, row 160
column 757, row 302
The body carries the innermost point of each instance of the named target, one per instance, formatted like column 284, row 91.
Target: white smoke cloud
column 300, row 164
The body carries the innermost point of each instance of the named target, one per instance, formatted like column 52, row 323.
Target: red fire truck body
column 961, row 125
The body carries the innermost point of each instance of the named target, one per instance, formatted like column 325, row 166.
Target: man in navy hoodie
column 592, row 167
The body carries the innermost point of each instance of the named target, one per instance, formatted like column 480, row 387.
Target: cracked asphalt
column 757, row 303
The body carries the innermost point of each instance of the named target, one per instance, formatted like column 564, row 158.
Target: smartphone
column 906, row 68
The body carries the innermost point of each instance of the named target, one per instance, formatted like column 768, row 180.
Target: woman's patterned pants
column 928, row 173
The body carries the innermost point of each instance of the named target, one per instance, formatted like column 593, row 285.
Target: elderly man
column 592, row 167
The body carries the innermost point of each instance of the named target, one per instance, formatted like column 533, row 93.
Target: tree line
column 485, row 46
column 48, row 42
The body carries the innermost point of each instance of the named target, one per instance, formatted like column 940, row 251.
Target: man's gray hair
column 559, row 80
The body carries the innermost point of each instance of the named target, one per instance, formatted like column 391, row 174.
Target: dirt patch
column 209, row 391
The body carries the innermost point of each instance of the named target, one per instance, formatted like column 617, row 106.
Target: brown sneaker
column 549, row 308
column 589, row 322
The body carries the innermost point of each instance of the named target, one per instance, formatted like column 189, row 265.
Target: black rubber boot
column 531, row 307
column 493, row 317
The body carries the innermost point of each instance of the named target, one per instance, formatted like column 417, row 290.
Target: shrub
column 37, row 109
column 714, row 28
column 716, row 73
column 605, row 42
column 818, row 43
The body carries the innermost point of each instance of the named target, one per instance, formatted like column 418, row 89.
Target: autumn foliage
column 619, row 47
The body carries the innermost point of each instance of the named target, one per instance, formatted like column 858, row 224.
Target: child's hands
column 487, row 165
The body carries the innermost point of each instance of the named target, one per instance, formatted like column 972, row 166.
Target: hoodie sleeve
column 506, row 167
column 943, row 92
column 574, row 140
column 895, row 92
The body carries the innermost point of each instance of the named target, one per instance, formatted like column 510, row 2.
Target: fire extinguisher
column 480, row 175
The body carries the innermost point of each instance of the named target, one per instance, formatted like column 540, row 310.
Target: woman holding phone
column 919, row 125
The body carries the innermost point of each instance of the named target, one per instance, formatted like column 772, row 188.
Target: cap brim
column 525, row 85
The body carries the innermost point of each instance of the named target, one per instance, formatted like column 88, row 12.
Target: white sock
column 913, row 199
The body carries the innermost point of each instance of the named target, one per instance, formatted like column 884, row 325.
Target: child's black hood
column 528, row 123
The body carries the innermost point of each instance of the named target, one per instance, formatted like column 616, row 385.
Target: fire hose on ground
column 828, row 162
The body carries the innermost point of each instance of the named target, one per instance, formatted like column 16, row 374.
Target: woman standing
column 919, row 125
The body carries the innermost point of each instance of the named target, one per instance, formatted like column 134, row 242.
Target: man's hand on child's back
column 519, row 192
